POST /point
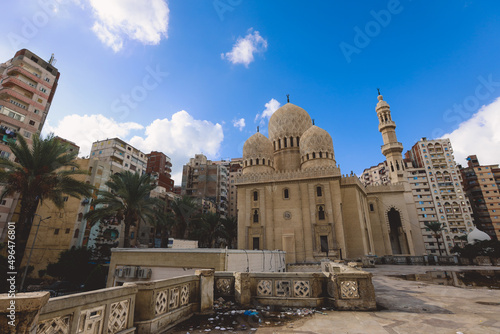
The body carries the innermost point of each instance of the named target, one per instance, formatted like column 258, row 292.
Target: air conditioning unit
column 144, row 273
column 119, row 272
column 130, row 272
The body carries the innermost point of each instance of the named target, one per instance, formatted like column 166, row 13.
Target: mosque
column 293, row 197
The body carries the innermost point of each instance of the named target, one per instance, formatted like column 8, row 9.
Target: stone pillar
column 242, row 292
column 22, row 311
column 206, row 290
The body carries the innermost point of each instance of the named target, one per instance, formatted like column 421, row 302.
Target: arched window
column 297, row 141
column 321, row 213
column 279, row 143
column 307, row 156
column 80, row 217
column 314, row 155
column 257, row 161
column 291, row 141
column 251, row 162
column 77, row 232
column 255, row 195
column 269, row 162
column 286, row 193
column 256, row 216
column 319, row 191
column 285, row 141
column 321, row 154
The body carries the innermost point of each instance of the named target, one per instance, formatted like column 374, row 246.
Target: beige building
column 436, row 183
column 482, row 188
column 202, row 178
column 27, row 87
column 292, row 195
column 120, row 154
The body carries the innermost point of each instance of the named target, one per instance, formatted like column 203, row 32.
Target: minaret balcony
column 386, row 124
column 392, row 147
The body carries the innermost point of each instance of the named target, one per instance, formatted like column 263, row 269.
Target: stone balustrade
column 155, row 306
column 108, row 310
column 162, row 304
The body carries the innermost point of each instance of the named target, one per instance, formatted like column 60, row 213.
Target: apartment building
column 120, row 154
column 436, row 184
column 235, row 168
column 376, row 175
column 482, row 187
column 202, row 178
column 27, row 86
column 160, row 167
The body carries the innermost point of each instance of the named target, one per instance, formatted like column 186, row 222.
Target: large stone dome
column 289, row 120
column 257, row 152
column 316, row 140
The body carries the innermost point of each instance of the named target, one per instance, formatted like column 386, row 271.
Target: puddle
column 229, row 318
column 461, row 279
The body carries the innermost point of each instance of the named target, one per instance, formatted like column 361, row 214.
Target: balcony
column 6, row 92
column 33, row 76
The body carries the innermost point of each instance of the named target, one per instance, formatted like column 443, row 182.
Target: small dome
column 289, row 120
column 316, row 140
column 258, row 146
column 477, row 235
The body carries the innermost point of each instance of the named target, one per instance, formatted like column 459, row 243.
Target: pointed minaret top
column 258, row 128
column 288, row 98
column 313, row 121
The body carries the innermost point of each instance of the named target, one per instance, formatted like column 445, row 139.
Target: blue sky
column 179, row 76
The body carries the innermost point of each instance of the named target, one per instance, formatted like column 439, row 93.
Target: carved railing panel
column 91, row 320
column 224, row 286
column 349, row 290
column 118, row 316
column 161, row 302
column 282, row 288
column 185, row 294
column 173, row 300
column 265, row 288
column 58, row 325
column 301, row 289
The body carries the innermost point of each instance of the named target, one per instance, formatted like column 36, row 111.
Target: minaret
column 392, row 148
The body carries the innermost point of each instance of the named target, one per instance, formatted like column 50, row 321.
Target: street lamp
column 31, row 251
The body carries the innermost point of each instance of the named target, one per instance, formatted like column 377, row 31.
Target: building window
column 319, row 191
column 321, row 213
column 67, row 231
column 256, row 216
column 285, row 142
column 56, row 231
column 255, row 195
column 255, row 243
column 77, row 232
column 371, row 207
column 323, row 240
column 286, row 193
column 291, row 141
column 80, row 217
column 65, row 198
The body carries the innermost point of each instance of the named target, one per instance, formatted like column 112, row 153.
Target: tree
column 73, row 265
column 185, row 215
column 127, row 200
column 231, row 227
column 436, row 229
column 209, row 230
column 44, row 171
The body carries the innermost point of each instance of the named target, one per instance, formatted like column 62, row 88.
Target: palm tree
column 436, row 229
column 185, row 211
column 209, row 230
column 44, row 171
column 127, row 200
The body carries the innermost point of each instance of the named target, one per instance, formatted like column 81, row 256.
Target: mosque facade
column 292, row 195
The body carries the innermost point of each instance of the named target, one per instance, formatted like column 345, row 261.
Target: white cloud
column 244, row 48
column 145, row 21
column 240, row 123
column 271, row 107
column 180, row 138
column 86, row 129
column 479, row 135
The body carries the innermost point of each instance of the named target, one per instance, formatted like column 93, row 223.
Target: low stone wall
column 108, row 310
column 155, row 306
column 164, row 303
